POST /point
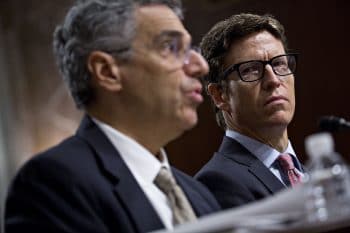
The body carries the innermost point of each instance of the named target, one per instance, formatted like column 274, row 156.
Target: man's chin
column 279, row 121
column 190, row 120
column 281, row 117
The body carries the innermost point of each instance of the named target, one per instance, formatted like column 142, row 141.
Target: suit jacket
column 83, row 185
column 236, row 177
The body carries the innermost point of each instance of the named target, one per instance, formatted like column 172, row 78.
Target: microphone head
column 333, row 123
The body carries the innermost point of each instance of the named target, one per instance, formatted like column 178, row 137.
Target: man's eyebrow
column 168, row 34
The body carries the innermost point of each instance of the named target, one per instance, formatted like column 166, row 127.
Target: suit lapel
column 234, row 150
column 126, row 187
column 142, row 212
column 262, row 173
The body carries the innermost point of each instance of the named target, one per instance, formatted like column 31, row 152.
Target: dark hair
column 91, row 25
column 216, row 43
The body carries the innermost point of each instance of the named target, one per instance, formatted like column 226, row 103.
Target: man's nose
column 270, row 79
column 196, row 66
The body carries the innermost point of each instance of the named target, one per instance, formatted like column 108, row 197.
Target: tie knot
column 165, row 180
column 286, row 161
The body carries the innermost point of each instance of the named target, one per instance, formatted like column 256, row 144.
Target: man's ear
column 219, row 96
column 104, row 70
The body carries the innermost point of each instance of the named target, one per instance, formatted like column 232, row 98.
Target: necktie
column 287, row 164
column 181, row 208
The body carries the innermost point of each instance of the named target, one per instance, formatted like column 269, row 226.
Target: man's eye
column 250, row 69
column 281, row 63
column 169, row 48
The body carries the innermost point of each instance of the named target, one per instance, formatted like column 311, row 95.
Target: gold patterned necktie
column 180, row 206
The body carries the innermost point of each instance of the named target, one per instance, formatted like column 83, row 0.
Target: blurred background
column 37, row 112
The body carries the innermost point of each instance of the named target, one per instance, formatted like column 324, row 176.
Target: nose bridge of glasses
column 194, row 65
column 189, row 52
column 271, row 74
column 268, row 65
column 270, row 68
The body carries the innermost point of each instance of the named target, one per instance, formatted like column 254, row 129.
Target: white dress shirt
column 265, row 153
column 144, row 166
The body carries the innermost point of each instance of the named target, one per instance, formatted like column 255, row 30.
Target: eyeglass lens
column 281, row 65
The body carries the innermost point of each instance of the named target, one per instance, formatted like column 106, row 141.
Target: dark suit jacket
column 236, row 177
column 82, row 186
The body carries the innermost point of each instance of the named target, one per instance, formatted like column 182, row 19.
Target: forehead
column 157, row 20
column 256, row 46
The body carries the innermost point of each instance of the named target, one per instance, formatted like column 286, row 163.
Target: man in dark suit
column 251, row 83
column 130, row 66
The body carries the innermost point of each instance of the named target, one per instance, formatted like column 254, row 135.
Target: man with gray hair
column 130, row 66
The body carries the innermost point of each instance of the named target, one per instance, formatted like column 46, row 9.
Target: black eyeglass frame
column 235, row 67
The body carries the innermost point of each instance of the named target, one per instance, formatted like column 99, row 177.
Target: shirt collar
column 141, row 162
column 263, row 152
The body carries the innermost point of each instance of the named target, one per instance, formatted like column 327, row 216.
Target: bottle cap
column 319, row 144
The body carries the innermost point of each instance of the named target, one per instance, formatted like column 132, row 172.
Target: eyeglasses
column 175, row 50
column 172, row 49
column 250, row 71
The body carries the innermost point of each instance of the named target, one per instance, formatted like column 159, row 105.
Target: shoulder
column 199, row 194
column 227, row 175
column 223, row 174
column 232, row 160
column 188, row 181
column 223, row 165
column 54, row 183
column 61, row 164
column 229, row 182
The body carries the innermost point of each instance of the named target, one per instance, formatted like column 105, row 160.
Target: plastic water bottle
column 327, row 181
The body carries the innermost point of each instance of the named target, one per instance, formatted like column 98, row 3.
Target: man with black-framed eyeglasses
column 251, row 84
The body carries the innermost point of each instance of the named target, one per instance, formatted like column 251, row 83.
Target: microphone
column 333, row 123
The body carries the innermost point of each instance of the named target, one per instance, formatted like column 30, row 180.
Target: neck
column 277, row 139
column 274, row 136
column 149, row 137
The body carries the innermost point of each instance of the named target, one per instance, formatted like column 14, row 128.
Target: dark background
column 40, row 113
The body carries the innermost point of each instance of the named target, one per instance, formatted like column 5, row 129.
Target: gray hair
column 90, row 25
column 216, row 43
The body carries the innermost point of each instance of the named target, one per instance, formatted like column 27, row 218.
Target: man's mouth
column 275, row 100
column 195, row 95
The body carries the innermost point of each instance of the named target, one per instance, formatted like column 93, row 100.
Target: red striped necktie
column 289, row 169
